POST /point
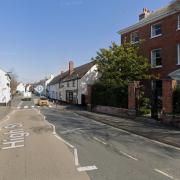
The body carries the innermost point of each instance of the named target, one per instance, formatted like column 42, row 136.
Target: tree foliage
column 14, row 82
column 119, row 65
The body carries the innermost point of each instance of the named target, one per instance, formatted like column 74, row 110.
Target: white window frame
column 153, row 65
column 178, row 24
column 152, row 35
column 178, row 54
column 133, row 42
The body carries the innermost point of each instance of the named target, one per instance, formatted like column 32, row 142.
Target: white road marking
column 99, row 140
column 16, row 136
column 26, row 107
column 133, row 134
column 129, row 156
column 65, row 142
column 70, row 131
column 32, row 106
column 80, row 169
column 19, row 105
column 76, row 157
column 163, row 173
column 87, row 168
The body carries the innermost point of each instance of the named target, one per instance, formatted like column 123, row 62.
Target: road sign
column 39, row 89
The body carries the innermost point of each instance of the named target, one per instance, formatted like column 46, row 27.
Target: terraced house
column 71, row 86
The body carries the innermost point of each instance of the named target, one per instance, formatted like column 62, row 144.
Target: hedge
column 110, row 96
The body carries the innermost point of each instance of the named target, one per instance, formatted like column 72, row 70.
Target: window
column 178, row 53
column 179, row 22
column 73, row 83
column 156, row 58
column 60, row 97
column 156, row 30
column 134, row 37
column 68, row 84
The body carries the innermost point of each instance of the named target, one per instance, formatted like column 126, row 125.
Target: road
column 50, row 144
column 29, row 150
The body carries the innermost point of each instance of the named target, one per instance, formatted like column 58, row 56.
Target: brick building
column 160, row 32
column 160, row 35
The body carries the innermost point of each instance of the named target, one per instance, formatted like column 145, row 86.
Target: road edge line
column 79, row 169
column 133, row 134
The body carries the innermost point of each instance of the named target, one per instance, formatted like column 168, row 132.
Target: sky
column 40, row 37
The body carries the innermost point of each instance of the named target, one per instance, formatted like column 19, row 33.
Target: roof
column 172, row 8
column 78, row 72
column 57, row 79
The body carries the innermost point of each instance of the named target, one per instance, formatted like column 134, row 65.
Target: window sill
column 178, row 29
column 152, row 37
column 156, row 67
column 135, row 42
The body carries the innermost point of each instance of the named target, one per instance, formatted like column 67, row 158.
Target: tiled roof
column 57, row 79
column 78, row 72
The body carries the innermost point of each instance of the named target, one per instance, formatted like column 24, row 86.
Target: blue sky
column 39, row 37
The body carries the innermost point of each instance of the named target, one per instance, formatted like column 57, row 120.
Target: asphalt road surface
column 49, row 144
column 29, row 150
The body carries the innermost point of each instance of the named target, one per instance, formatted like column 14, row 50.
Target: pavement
column 5, row 110
column 117, row 154
column 145, row 127
column 55, row 143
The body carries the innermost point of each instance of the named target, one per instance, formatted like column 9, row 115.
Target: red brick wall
column 168, row 88
column 168, row 42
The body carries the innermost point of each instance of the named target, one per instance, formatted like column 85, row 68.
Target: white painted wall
column 5, row 90
column 89, row 78
column 53, row 91
column 20, row 88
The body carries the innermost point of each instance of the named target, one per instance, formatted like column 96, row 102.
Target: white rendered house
column 20, row 88
column 5, row 90
column 71, row 86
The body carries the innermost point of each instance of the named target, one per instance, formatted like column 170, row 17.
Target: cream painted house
column 71, row 86
column 5, row 90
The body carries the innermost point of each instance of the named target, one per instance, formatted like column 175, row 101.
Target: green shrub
column 110, row 96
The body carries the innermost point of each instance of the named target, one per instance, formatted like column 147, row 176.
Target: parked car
column 43, row 101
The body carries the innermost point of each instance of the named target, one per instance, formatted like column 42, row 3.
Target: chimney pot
column 71, row 67
column 146, row 13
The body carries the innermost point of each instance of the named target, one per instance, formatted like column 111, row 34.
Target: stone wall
column 120, row 112
column 173, row 120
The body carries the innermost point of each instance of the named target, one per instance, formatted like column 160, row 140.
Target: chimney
column 146, row 13
column 71, row 67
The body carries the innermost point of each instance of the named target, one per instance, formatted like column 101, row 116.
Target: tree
column 13, row 83
column 119, row 65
